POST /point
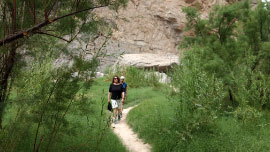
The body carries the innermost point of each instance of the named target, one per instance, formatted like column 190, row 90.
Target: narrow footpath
column 128, row 137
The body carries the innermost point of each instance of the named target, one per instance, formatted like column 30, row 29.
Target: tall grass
column 191, row 118
column 152, row 119
column 155, row 117
column 84, row 131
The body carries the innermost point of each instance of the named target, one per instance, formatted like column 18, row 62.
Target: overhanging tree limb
column 49, row 34
column 21, row 34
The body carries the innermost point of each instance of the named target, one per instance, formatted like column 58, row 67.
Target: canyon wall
column 149, row 26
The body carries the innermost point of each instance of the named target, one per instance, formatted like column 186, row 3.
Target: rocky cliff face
column 150, row 26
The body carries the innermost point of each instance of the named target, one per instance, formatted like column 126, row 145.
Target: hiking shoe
column 115, row 121
column 119, row 117
column 120, row 114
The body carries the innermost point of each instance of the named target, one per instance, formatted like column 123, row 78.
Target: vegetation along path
column 128, row 137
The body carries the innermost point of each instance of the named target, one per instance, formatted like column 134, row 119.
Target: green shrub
column 134, row 77
column 53, row 110
column 199, row 99
column 112, row 71
column 220, row 90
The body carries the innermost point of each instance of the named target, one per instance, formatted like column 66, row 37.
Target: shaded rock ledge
column 158, row 62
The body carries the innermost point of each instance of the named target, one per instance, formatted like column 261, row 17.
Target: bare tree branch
column 22, row 15
column 30, row 10
column 21, row 34
column 55, row 9
column 14, row 16
column 35, row 16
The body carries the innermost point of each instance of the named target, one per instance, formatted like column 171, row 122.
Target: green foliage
column 111, row 71
column 50, row 107
column 83, row 126
column 135, row 77
column 62, row 19
column 221, row 71
column 30, row 13
column 220, row 92
column 155, row 122
column 229, row 46
column 199, row 99
column 44, row 95
column 141, row 78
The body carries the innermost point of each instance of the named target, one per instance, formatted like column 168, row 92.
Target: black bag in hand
column 109, row 106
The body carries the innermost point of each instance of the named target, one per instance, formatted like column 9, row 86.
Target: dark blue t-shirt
column 124, row 86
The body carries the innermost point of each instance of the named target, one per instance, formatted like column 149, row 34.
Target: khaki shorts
column 116, row 103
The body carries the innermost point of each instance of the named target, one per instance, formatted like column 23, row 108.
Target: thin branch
column 103, row 45
column 79, row 31
column 54, row 129
column 40, row 141
column 21, row 34
column 14, row 16
column 4, row 19
column 55, row 6
column 43, row 112
column 35, row 16
column 49, row 34
column 47, row 12
column 22, row 15
column 64, row 114
column 77, row 12
column 77, row 4
column 30, row 10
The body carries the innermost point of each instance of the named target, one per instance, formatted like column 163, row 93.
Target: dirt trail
column 128, row 137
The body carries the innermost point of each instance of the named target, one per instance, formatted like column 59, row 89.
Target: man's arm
column 126, row 92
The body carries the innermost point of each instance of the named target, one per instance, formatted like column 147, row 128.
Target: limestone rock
column 99, row 74
column 148, row 61
column 163, row 77
column 149, row 26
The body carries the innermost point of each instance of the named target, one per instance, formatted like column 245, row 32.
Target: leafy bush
column 44, row 96
column 231, row 45
column 220, row 90
column 112, row 71
column 223, row 69
column 134, row 77
column 141, row 78
column 199, row 99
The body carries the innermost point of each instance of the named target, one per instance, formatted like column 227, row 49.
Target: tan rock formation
column 149, row 61
column 150, row 26
column 147, row 26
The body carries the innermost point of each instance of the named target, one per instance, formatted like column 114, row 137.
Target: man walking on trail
column 124, row 84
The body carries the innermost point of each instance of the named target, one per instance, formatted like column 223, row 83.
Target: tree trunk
column 7, row 68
